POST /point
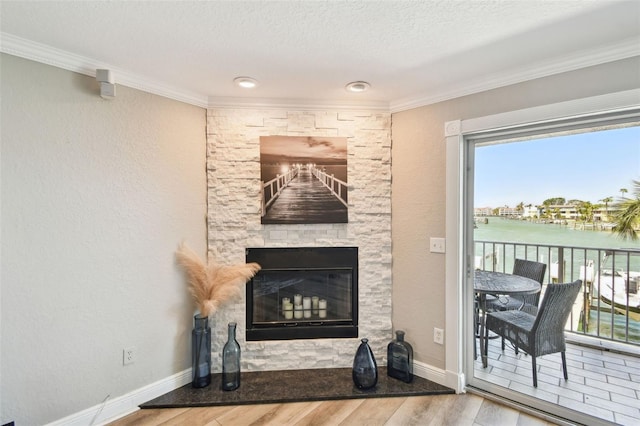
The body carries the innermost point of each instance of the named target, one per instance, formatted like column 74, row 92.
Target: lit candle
column 285, row 300
column 297, row 311
column 306, row 305
column 288, row 310
column 322, row 306
column 297, row 299
column 314, row 305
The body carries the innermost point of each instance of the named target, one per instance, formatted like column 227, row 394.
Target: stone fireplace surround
column 233, row 220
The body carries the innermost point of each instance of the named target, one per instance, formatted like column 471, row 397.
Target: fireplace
column 303, row 293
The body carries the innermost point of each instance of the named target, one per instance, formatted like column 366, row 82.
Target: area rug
column 265, row 387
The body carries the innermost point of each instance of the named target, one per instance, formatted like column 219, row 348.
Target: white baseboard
column 442, row 377
column 121, row 406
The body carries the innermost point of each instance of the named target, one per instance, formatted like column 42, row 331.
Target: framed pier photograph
column 304, row 179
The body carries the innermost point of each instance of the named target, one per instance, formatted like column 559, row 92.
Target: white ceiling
column 304, row 52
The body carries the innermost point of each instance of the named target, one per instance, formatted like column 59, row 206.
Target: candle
column 285, row 300
column 322, row 308
column 297, row 299
column 306, row 305
column 288, row 310
column 314, row 305
column 297, row 311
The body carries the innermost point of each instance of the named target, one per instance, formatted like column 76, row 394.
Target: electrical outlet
column 128, row 356
column 437, row 245
column 438, row 336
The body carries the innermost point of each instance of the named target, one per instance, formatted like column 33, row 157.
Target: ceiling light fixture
column 357, row 86
column 245, row 82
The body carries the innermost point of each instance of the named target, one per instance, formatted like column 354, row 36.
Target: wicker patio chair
column 539, row 334
column 529, row 302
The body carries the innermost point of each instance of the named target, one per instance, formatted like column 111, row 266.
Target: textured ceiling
column 306, row 51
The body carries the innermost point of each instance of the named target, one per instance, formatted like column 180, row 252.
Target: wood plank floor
column 464, row 409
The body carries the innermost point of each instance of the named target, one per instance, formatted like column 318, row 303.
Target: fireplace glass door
column 302, row 293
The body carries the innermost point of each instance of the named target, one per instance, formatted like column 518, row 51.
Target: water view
column 583, row 255
column 271, row 171
column 520, row 231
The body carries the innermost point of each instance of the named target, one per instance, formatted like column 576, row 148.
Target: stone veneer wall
column 233, row 176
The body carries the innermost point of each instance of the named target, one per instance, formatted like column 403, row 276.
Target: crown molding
column 17, row 46
column 580, row 59
column 38, row 52
column 295, row 104
column 45, row 54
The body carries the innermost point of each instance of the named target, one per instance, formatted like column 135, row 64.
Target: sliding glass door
column 547, row 190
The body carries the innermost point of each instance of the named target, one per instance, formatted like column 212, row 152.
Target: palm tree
column 623, row 191
column 606, row 202
column 586, row 211
column 627, row 218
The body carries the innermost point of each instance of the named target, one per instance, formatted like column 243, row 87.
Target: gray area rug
column 265, row 387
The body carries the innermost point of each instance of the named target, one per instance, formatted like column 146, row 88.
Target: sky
column 586, row 166
column 304, row 147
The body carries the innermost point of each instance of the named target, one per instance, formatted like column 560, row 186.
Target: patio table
column 489, row 282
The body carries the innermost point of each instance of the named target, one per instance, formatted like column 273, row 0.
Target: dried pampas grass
column 212, row 285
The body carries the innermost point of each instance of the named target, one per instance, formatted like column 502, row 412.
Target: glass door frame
column 460, row 139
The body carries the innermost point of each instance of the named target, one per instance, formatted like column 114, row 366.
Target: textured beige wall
column 418, row 187
column 96, row 196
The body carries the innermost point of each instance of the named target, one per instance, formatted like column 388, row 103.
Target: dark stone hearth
column 264, row 387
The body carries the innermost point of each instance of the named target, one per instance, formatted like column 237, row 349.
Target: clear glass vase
column 400, row 358
column 201, row 352
column 231, row 361
column 365, row 369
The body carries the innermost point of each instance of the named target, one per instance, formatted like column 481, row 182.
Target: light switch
column 437, row 245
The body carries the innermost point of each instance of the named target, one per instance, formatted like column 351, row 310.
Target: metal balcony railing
column 608, row 306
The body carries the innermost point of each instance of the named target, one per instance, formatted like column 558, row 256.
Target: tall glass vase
column 365, row 369
column 201, row 352
column 231, row 361
column 400, row 358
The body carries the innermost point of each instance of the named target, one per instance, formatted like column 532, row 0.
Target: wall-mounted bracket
column 107, row 84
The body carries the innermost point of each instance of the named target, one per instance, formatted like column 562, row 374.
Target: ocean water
column 270, row 171
column 520, row 231
column 523, row 232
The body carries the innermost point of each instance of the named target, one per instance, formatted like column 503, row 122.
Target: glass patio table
column 498, row 283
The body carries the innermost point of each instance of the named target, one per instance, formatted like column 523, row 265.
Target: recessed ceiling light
column 357, row 86
column 245, row 82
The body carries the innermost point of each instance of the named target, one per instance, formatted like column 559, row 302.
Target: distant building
column 605, row 214
column 508, row 211
column 561, row 211
column 530, row 211
column 483, row 211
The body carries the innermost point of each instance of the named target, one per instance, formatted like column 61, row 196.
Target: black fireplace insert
column 303, row 293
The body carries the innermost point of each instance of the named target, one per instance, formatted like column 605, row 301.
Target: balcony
column 607, row 311
column 603, row 331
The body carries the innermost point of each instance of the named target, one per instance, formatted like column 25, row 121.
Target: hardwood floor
column 464, row 409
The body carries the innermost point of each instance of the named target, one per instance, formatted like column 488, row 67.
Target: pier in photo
column 305, row 194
